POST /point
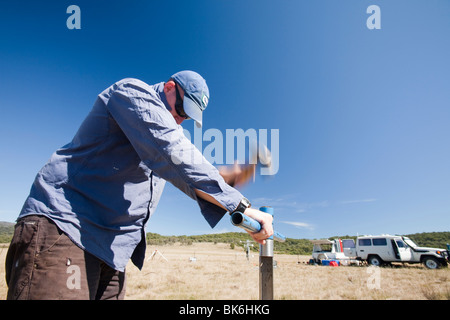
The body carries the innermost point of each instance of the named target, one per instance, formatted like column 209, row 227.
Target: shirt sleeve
column 163, row 147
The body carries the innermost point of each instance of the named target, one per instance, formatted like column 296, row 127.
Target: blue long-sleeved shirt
column 101, row 188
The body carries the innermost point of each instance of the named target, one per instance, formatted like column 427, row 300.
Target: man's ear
column 168, row 86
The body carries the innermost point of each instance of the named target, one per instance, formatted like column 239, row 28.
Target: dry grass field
column 219, row 272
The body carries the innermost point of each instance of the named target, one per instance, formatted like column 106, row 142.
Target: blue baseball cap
column 196, row 94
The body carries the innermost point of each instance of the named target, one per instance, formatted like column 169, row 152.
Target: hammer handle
column 245, row 222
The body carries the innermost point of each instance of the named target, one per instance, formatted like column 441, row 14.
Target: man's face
column 171, row 96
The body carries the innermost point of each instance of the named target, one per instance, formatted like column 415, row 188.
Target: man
column 85, row 215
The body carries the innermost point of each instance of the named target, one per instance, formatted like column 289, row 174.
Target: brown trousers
column 42, row 263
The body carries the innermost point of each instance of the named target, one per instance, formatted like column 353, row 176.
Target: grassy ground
column 222, row 273
column 214, row 271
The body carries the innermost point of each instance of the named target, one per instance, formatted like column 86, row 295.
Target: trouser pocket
column 20, row 257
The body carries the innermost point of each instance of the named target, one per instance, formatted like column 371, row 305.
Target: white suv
column 379, row 250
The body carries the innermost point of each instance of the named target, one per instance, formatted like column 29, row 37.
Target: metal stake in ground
column 239, row 219
column 266, row 265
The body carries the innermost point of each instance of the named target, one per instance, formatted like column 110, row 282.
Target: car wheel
column 431, row 263
column 375, row 261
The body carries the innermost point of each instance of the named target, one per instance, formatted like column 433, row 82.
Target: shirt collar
column 159, row 88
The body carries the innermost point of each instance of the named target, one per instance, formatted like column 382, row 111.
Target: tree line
column 290, row 246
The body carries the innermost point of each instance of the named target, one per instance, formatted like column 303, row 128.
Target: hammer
column 239, row 174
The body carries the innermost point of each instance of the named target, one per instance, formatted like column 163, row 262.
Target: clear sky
column 363, row 115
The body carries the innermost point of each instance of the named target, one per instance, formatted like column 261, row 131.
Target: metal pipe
column 266, row 265
column 266, row 277
column 265, row 251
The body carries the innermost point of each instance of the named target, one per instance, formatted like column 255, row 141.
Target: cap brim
column 192, row 110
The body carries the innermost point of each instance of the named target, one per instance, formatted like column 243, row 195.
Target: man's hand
column 265, row 220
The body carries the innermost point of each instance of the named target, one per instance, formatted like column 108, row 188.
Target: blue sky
column 363, row 115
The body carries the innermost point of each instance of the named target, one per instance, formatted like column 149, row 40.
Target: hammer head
column 263, row 158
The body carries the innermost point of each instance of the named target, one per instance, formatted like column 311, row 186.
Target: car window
column 400, row 244
column 365, row 242
column 379, row 242
column 348, row 243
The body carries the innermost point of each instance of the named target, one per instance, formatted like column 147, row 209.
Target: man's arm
column 162, row 146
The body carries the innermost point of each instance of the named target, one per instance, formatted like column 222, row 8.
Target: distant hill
column 431, row 239
column 291, row 246
column 6, row 231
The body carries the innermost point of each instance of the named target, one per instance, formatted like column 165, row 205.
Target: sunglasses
column 179, row 105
